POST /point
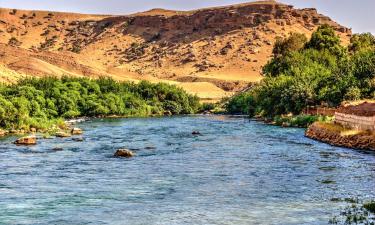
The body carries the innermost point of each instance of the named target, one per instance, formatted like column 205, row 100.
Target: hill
column 212, row 52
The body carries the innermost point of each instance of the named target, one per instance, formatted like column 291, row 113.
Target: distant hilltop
column 212, row 52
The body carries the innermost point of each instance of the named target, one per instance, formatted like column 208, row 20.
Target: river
column 237, row 171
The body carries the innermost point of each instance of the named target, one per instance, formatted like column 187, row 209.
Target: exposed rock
column 2, row 133
column 57, row 149
column 285, row 124
column 124, row 153
column 13, row 131
column 167, row 113
column 29, row 140
column 76, row 131
column 62, row 134
column 78, row 139
column 196, row 132
column 33, row 130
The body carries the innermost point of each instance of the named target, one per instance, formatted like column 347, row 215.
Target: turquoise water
column 237, row 172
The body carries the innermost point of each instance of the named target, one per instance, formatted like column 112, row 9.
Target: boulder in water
column 124, row 153
column 79, row 139
column 62, row 134
column 29, row 140
column 196, row 132
column 76, row 131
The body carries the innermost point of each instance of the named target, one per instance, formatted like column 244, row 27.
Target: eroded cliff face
column 337, row 136
column 222, row 48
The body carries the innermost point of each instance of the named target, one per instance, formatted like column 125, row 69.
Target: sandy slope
column 210, row 52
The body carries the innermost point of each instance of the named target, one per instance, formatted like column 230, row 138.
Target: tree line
column 311, row 72
column 38, row 103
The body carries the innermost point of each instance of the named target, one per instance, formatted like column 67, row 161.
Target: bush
column 242, row 103
column 322, row 71
column 299, row 120
column 208, row 107
column 35, row 102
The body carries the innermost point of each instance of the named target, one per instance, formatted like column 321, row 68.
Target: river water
column 237, row 172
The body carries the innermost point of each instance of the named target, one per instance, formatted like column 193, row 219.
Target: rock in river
column 76, row 131
column 79, row 139
column 62, row 134
column 124, row 153
column 196, row 132
column 29, row 140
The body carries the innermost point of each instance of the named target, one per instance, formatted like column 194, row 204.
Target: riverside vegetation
column 311, row 72
column 41, row 103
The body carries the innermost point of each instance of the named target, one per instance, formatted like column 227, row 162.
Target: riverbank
column 60, row 127
column 337, row 135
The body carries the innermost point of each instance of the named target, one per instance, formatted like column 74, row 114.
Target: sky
column 356, row 14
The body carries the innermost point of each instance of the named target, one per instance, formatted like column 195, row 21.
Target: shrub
column 322, row 71
column 34, row 102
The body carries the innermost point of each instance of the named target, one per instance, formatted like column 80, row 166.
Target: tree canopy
column 306, row 73
column 33, row 102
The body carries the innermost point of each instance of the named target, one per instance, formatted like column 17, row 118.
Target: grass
column 300, row 120
column 343, row 131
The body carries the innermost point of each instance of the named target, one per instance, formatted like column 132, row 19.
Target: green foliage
column 360, row 42
column 208, row 107
column 353, row 93
column 42, row 102
column 325, row 38
column 243, row 103
column 294, row 42
column 322, row 71
column 299, row 120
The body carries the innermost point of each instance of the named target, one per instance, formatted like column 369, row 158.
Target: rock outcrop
column 336, row 135
column 29, row 140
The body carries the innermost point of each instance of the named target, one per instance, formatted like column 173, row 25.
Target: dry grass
column 343, row 131
column 9, row 76
column 354, row 103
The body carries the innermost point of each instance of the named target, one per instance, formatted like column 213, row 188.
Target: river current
column 238, row 171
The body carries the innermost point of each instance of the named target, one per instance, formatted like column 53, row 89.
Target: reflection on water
column 237, row 172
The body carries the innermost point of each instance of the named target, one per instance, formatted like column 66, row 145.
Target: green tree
column 325, row 38
column 294, row 42
column 360, row 42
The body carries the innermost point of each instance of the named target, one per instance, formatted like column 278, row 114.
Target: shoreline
column 324, row 132
column 339, row 136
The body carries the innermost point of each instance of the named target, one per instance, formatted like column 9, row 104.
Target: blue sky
column 357, row 14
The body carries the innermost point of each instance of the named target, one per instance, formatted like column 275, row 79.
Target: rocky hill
column 212, row 52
